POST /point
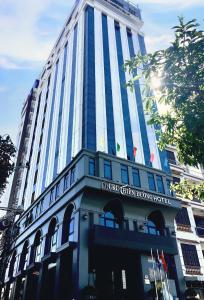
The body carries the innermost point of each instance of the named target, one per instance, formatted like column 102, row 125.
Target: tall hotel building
column 98, row 220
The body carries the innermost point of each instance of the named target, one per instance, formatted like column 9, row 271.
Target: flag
column 164, row 264
column 134, row 151
column 118, row 147
column 151, row 157
column 158, row 263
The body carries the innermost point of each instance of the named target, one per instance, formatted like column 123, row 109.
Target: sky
column 29, row 29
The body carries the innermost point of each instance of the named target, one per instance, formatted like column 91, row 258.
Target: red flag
column 151, row 157
column 164, row 264
column 134, row 151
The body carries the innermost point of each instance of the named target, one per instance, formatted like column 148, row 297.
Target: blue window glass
column 168, row 183
column 72, row 95
column 124, row 174
column 57, row 191
column 151, row 181
column 59, row 125
column 136, row 177
column 124, row 95
column 108, row 220
column 89, row 95
column 52, row 196
column 108, row 89
column 107, row 169
column 50, row 127
column 66, row 181
column 139, row 104
column 92, row 166
column 160, row 184
column 72, row 176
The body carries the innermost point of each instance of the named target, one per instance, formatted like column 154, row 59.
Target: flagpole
column 155, row 281
column 160, row 273
column 167, row 281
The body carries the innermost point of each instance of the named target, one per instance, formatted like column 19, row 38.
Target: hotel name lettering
column 127, row 191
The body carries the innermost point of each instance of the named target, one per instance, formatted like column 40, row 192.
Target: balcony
column 140, row 241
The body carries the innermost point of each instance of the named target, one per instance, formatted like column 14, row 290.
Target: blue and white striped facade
column 82, row 100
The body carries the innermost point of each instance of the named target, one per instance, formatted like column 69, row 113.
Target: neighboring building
column 190, row 228
column 99, row 214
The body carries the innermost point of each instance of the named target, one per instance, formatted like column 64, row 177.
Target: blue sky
column 28, row 30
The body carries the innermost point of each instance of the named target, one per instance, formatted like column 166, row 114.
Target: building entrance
column 117, row 275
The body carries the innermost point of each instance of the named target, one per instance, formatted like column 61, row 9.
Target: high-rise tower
column 99, row 213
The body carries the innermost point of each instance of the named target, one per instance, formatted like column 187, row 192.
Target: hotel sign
column 127, row 191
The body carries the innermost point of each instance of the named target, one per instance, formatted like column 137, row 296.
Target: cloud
column 174, row 3
column 22, row 36
column 6, row 63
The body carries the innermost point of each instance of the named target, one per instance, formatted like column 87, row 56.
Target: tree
column 178, row 72
column 7, row 152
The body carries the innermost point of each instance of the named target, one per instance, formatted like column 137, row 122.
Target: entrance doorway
column 117, row 275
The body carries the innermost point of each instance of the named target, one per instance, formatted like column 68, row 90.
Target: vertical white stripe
column 117, row 103
column 33, row 163
column 25, row 170
column 51, row 157
column 151, row 132
column 134, row 118
column 45, row 132
column 78, row 99
column 101, row 124
column 66, row 101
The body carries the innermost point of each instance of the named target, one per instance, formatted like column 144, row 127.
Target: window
column 68, row 225
column 155, row 224
column 182, row 217
column 66, row 181
column 72, row 179
column 169, row 191
column 199, row 225
column 91, row 166
column 57, row 192
column 160, row 184
column 51, row 240
column 151, row 181
column 37, row 212
column 38, row 253
column 124, row 174
column 190, row 255
column 176, row 180
column 108, row 220
column 53, row 244
column 112, row 216
column 107, row 169
column 171, row 157
column 24, row 257
column 52, row 198
column 136, row 177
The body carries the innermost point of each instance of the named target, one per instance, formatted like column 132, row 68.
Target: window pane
column 182, row 217
column 190, row 255
column 160, row 184
column 107, row 169
column 124, row 174
column 136, row 177
column 151, row 181
column 91, row 166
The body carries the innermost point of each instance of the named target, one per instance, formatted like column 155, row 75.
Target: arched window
column 68, row 225
column 51, row 241
column 113, row 215
column 24, row 257
column 37, row 247
column 155, row 224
